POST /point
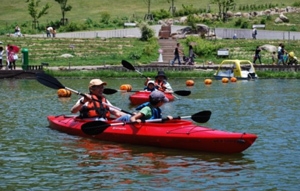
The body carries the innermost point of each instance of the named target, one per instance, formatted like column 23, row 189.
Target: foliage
column 203, row 47
column 223, row 7
column 146, row 31
column 64, row 8
column 161, row 14
column 105, row 17
column 33, row 6
column 186, row 10
column 192, row 21
column 296, row 4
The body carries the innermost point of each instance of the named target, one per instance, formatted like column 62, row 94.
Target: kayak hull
column 141, row 97
column 176, row 134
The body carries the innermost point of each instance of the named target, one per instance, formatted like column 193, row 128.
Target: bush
column 146, row 32
column 203, row 47
column 161, row 14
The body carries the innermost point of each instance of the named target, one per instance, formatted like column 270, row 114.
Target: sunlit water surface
column 35, row 157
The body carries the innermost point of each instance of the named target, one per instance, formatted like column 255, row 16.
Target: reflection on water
column 35, row 157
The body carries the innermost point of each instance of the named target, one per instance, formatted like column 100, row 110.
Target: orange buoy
column 233, row 79
column 225, row 80
column 189, row 82
column 64, row 93
column 208, row 81
column 126, row 87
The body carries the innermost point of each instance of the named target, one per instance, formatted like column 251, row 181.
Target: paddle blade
column 183, row 92
column 128, row 65
column 94, row 127
column 202, row 116
column 48, row 81
column 109, row 91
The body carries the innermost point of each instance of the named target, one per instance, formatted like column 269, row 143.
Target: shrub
column 245, row 25
column 161, row 14
column 146, row 32
column 203, row 47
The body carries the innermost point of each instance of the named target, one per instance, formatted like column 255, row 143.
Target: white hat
column 150, row 82
column 96, row 82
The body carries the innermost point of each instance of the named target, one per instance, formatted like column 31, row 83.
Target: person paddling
column 161, row 82
column 148, row 110
column 95, row 105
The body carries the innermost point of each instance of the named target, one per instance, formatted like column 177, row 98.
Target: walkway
column 220, row 32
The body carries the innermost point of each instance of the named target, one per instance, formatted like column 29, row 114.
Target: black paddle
column 97, row 127
column 52, row 82
column 131, row 67
column 112, row 91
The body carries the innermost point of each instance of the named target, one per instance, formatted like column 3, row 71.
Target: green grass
column 86, row 51
column 111, row 51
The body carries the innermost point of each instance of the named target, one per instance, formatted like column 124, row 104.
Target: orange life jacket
column 95, row 108
column 161, row 86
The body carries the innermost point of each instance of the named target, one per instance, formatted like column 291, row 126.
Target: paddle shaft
column 52, row 82
column 114, row 107
column 97, row 127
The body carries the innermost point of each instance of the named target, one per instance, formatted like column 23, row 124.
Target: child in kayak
column 150, row 86
column 148, row 110
column 161, row 82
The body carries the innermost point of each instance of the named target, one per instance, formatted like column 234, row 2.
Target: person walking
column 177, row 53
column 254, row 33
column 257, row 55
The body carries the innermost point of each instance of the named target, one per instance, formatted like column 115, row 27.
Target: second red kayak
column 141, row 97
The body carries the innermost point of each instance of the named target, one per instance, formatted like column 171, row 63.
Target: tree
column 33, row 6
column 64, row 8
column 224, row 6
column 148, row 16
column 172, row 8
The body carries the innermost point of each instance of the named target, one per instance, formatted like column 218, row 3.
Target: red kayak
column 176, row 134
column 141, row 97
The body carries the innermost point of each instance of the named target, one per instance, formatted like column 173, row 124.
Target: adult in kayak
column 148, row 110
column 95, row 105
column 161, row 82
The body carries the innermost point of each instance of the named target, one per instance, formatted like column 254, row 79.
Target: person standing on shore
column 254, row 33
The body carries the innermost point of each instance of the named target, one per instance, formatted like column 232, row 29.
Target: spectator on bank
column 274, row 58
column 234, row 36
column 11, row 58
column 257, row 55
column 18, row 31
column 49, row 31
column 1, row 57
column 254, row 33
column 281, row 52
column 54, row 32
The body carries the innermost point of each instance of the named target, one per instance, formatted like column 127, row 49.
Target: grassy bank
column 97, row 52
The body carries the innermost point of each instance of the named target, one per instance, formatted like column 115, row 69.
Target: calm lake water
column 35, row 157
